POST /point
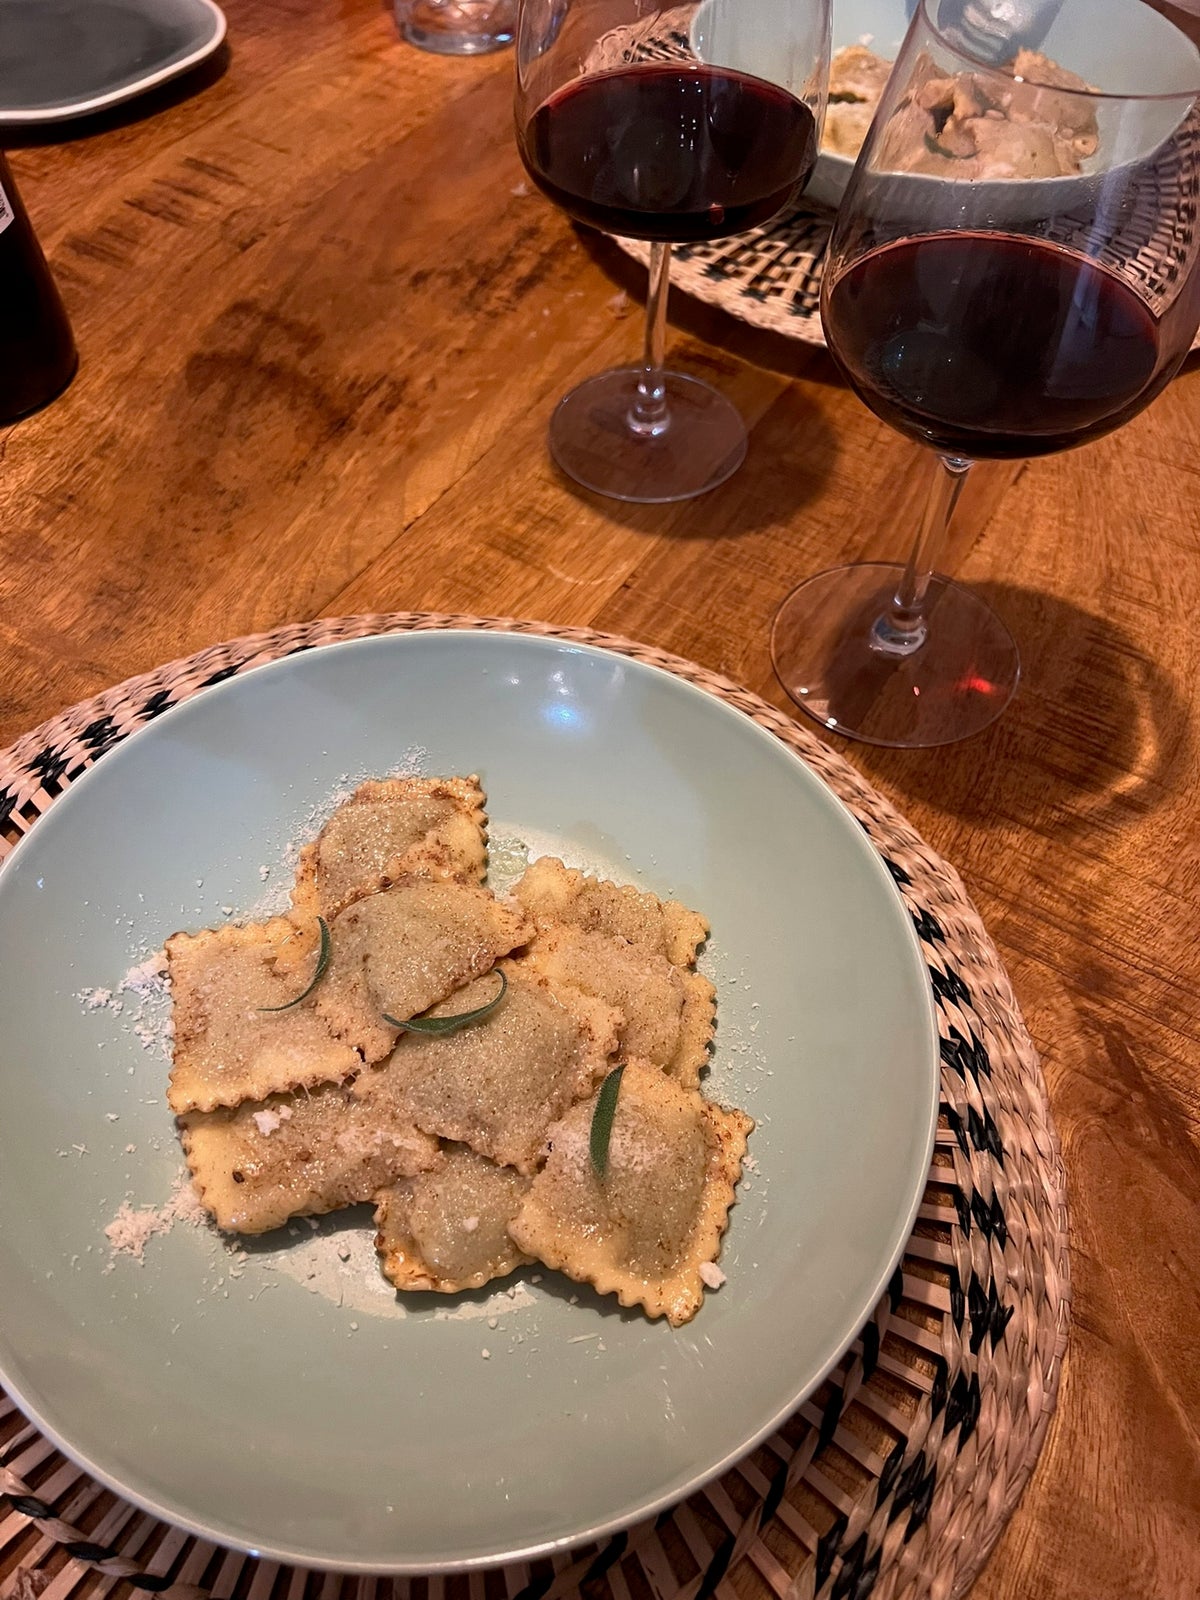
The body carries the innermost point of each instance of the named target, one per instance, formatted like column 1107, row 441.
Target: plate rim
column 192, row 1523
column 69, row 110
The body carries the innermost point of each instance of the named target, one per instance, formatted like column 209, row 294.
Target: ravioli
column 298, row 1155
column 668, row 1011
column 227, row 1047
column 497, row 1084
column 405, row 949
column 644, row 1231
column 391, row 828
column 447, row 1229
column 553, row 893
column 304, row 1081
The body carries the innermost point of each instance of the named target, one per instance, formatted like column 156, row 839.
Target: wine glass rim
column 929, row 8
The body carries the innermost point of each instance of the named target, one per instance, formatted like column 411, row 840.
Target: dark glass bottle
column 37, row 352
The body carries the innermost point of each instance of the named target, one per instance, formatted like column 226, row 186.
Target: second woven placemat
column 892, row 1481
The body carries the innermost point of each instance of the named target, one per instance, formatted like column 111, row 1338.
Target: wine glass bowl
column 748, row 36
column 1013, row 272
column 624, row 128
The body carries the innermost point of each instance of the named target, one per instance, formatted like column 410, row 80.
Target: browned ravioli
column 392, row 828
column 650, row 1226
column 446, row 1229
column 401, row 951
column 497, row 1084
column 291, row 1155
column 230, row 1045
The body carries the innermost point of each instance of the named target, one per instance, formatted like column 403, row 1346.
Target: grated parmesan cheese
column 130, row 1231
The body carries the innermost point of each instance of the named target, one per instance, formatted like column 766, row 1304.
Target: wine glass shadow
column 151, row 103
column 1094, row 740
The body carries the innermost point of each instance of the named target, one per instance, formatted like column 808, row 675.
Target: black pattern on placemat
column 858, row 1572
column 922, row 1501
column 908, row 1485
column 957, row 1127
column 100, row 736
column 948, row 986
column 83, row 1551
column 958, row 1300
column 899, row 876
column 966, row 1056
column 891, row 1470
column 962, row 1407
column 717, row 1567
column 612, row 1552
column 870, row 1344
column 158, row 702
column 929, row 929
column 989, row 1315
column 50, row 767
column 831, row 1415
column 776, row 1492
column 536, row 1588
column 938, row 1395
column 984, row 1134
column 28, row 1506
column 827, row 1548
column 896, row 1288
column 221, row 675
column 990, row 1218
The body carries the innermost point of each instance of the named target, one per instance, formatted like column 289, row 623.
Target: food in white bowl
column 960, row 126
column 1110, row 51
column 857, row 79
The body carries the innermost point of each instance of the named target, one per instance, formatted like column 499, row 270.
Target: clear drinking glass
column 1013, row 271
column 457, row 27
column 669, row 124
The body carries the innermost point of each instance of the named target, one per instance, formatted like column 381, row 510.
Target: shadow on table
column 1092, row 742
column 17, row 136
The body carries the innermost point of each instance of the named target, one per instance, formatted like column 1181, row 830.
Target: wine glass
column 1013, row 271
column 670, row 124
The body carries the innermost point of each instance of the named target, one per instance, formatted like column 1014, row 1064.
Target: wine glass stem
column 904, row 629
column 648, row 416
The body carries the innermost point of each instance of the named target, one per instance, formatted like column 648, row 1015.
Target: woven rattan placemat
column 893, row 1481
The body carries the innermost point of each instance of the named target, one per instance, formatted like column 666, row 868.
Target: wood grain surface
column 322, row 321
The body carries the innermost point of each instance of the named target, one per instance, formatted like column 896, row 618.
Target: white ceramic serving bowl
column 1116, row 46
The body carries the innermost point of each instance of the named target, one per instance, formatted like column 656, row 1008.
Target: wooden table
column 322, row 322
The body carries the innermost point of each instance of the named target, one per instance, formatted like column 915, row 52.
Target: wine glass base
column 592, row 441
column 829, row 660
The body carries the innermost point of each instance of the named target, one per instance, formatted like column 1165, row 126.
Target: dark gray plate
column 65, row 58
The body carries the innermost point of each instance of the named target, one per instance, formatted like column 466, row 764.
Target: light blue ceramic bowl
column 377, row 1437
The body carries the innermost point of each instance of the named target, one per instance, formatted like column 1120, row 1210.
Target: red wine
column 984, row 345
column 669, row 152
column 37, row 352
